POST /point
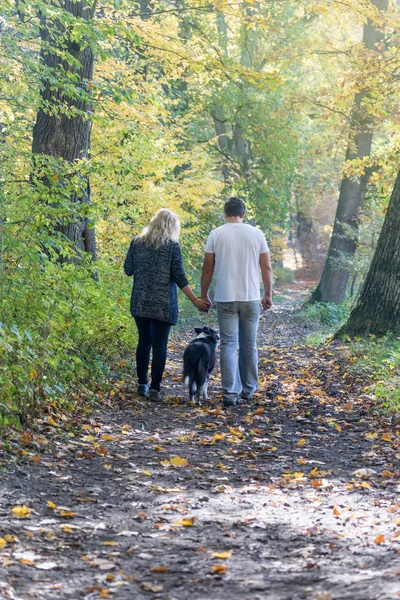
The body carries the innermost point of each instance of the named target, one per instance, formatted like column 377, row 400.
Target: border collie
column 199, row 361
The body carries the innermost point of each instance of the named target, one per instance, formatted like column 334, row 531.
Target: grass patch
column 379, row 360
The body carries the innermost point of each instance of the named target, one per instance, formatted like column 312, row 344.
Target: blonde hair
column 163, row 226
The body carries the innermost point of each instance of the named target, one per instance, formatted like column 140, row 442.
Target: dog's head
column 207, row 332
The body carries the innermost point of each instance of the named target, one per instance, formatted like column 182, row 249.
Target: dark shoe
column 229, row 402
column 156, row 396
column 143, row 389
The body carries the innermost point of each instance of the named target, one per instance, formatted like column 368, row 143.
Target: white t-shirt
column 237, row 248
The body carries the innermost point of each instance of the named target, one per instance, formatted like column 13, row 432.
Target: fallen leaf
column 21, row 512
column 148, row 586
column 25, row 438
column 380, row 539
column 226, row 554
column 160, row 569
column 387, row 437
column 336, row 511
column 177, row 461
column 46, row 566
column 189, row 522
column 2, row 543
column 220, row 569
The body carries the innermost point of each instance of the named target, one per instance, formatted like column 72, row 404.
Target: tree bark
column 63, row 124
column 377, row 309
column 334, row 279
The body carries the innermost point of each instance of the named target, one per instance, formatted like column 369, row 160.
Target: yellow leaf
column 33, row 374
column 366, row 485
column 217, row 437
column 235, row 431
column 106, row 437
column 165, row 463
column 371, row 436
column 22, row 512
column 177, row 461
column 336, row 511
column 146, row 472
column 66, row 528
column 380, row 539
column 89, row 438
column 51, row 504
column 110, row 543
column 2, row 543
column 220, row 569
column 160, row 569
column 226, row 554
column 301, row 442
column 189, row 522
column 387, row 437
column 10, row 539
column 67, row 513
column 338, row 427
column 301, row 461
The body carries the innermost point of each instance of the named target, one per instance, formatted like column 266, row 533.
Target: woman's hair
column 163, row 226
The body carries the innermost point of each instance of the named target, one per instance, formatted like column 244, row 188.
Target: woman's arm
column 128, row 264
column 201, row 305
column 179, row 277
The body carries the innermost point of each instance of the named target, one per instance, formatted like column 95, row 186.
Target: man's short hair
column 234, row 207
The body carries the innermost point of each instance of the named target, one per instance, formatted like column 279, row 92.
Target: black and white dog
column 199, row 361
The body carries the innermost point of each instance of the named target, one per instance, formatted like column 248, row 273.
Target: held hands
column 202, row 304
column 266, row 302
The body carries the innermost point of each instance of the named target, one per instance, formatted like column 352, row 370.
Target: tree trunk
column 333, row 283
column 377, row 309
column 63, row 125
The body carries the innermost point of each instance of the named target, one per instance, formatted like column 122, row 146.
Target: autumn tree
column 333, row 283
column 61, row 134
column 377, row 309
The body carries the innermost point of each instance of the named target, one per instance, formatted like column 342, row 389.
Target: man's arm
column 266, row 272
column 206, row 275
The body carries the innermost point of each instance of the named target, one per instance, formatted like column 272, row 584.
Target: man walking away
column 237, row 252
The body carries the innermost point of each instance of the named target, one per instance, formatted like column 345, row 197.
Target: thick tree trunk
column 377, row 309
column 334, row 279
column 58, row 132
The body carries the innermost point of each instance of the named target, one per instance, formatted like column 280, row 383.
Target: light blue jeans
column 238, row 325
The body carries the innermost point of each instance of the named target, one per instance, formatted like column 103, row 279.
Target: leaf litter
column 296, row 489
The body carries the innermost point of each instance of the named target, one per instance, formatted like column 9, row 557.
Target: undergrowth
column 378, row 359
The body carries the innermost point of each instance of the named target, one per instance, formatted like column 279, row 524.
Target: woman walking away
column 154, row 259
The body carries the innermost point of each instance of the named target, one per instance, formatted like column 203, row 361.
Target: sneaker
column 156, row 396
column 229, row 402
column 143, row 389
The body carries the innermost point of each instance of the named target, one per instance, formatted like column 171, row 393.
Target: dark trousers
column 153, row 335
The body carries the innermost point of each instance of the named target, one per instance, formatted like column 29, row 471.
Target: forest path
column 290, row 496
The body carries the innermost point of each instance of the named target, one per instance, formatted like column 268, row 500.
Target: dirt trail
column 291, row 496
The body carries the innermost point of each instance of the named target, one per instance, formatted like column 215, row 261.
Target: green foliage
column 323, row 318
column 283, row 275
column 379, row 360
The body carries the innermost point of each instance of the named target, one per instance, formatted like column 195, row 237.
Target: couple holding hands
column 235, row 253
